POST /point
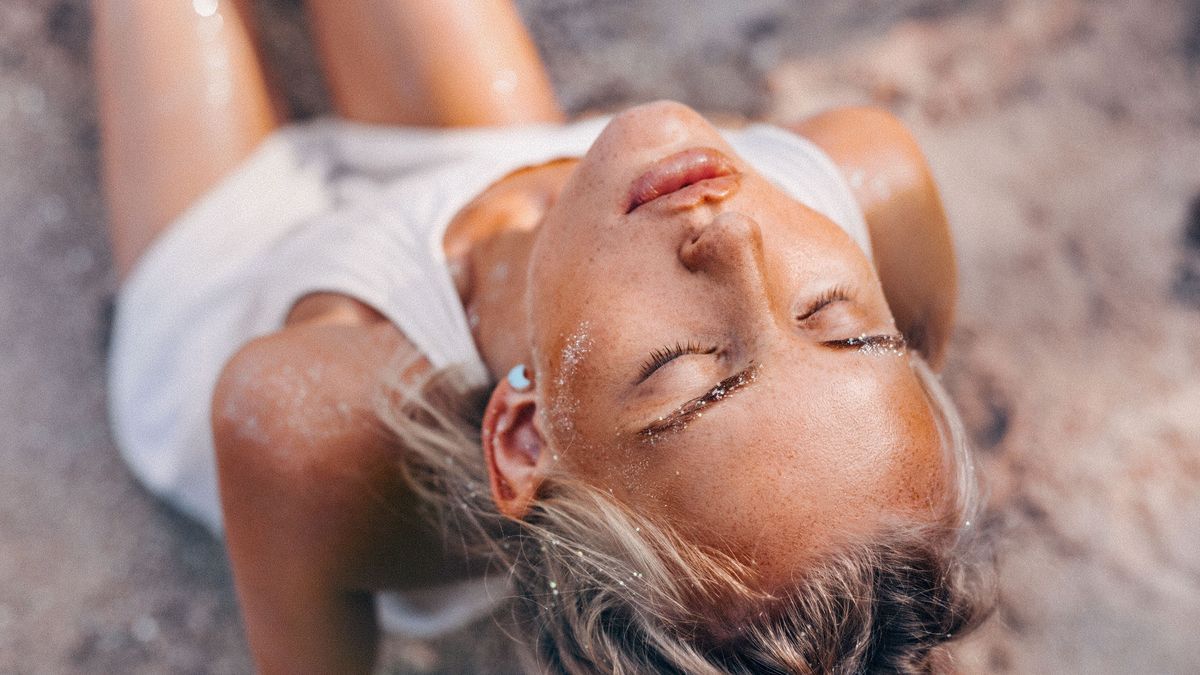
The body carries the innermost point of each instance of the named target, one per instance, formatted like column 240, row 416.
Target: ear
column 513, row 449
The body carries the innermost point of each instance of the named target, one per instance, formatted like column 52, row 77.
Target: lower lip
column 676, row 172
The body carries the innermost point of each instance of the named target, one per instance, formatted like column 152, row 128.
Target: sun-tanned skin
column 317, row 517
column 808, row 440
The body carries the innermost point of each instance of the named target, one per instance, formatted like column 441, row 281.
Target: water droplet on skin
column 505, row 82
column 858, row 179
column 880, row 187
column 205, row 8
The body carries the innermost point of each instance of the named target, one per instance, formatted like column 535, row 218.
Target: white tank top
column 358, row 210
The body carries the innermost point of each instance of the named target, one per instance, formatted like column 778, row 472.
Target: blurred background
column 1066, row 138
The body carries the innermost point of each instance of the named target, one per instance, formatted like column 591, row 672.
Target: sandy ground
column 1065, row 135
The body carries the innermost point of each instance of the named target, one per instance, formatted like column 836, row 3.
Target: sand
column 1066, row 138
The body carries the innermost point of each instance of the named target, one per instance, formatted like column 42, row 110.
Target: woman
column 668, row 387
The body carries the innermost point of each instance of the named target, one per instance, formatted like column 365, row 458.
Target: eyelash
column 661, row 357
column 835, row 294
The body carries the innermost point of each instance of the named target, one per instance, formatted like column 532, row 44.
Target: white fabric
column 335, row 206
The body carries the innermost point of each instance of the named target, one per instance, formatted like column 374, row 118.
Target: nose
column 729, row 249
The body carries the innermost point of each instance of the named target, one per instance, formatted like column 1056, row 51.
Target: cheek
column 564, row 361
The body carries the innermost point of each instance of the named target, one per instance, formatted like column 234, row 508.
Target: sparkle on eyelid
column 682, row 416
column 883, row 345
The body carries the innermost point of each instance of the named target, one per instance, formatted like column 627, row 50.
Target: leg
column 183, row 99
column 431, row 62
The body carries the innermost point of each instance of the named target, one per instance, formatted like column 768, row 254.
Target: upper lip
column 677, row 171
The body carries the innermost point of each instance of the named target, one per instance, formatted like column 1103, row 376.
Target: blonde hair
column 598, row 587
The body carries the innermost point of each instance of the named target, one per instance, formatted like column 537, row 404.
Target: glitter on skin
column 679, row 419
column 880, row 345
column 876, row 344
column 577, row 347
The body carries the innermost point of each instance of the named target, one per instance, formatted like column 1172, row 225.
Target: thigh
column 183, row 99
column 431, row 62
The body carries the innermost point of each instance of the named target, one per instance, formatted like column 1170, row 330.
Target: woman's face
column 698, row 355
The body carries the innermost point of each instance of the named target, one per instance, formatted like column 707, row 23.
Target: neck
column 489, row 244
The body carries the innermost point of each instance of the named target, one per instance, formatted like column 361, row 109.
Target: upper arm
column 316, row 510
column 910, row 236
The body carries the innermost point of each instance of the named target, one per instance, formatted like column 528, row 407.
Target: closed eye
column 661, row 357
column 835, row 294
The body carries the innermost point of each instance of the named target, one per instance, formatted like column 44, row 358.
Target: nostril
column 729, row 242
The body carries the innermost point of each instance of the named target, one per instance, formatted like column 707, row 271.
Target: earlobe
column 513, row 449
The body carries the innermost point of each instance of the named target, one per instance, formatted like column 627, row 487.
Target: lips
column 678, row 171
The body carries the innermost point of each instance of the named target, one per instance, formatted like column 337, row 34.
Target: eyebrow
column 678, row 419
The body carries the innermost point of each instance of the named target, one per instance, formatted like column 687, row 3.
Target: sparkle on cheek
column 564, row 408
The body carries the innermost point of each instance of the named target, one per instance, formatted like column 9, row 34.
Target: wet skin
column 819, row 441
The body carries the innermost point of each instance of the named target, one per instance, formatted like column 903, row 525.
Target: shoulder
column 871, row 141
column 309, row 474
column 863, row 128
column 312, row 383
column 910, row 236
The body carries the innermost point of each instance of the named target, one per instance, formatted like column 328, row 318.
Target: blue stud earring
column 518, row 379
